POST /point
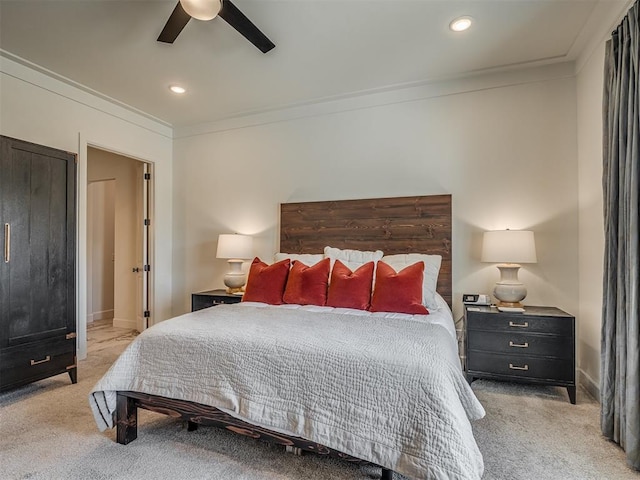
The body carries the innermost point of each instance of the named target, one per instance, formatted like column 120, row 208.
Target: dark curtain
column 620, row 363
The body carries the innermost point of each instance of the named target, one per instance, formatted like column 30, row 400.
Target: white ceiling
column 324, row 48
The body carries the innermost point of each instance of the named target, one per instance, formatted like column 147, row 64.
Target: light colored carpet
column 47, row 432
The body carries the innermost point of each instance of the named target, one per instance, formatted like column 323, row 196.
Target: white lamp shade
column 509, row 246
column 202, row 9
column 233, row 245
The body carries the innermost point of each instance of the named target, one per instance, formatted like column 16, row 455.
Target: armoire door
column 37, row 287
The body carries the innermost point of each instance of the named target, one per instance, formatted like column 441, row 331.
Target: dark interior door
column 38, row 269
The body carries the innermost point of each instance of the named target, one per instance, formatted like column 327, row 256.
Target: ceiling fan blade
column 177, row 21
column 243, row 25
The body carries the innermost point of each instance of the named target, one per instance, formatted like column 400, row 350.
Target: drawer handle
column 521, row 325
column 519, row 345
column 46, row 359
column 515, row 367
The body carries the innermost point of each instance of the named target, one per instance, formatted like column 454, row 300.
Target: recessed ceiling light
column 460, row 24
column 177, row 89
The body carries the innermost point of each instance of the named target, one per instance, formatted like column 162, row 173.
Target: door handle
column 7, row 243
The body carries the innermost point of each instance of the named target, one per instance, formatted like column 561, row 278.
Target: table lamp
column 235, row 248
column 509, row 248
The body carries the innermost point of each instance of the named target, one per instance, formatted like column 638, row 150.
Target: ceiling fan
column 207, row 10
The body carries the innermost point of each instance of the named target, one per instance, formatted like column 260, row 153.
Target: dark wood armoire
column 37, row 270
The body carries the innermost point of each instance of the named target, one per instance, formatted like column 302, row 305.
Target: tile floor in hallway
column 101, row 334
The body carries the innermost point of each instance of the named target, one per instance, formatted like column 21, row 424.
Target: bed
column 385, row 388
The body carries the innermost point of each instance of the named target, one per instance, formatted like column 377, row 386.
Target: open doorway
column 118, row 224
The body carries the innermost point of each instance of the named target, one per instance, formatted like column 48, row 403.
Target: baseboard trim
column 124, row 323
column 589, row 384
column 104, row 314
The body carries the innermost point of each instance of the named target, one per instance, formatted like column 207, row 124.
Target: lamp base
column 234, row 279
column 509, row 304
column 509, row 291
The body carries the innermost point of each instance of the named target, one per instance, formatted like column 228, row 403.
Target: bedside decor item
column 509, row 248
column 235, row 248
column 476, row 299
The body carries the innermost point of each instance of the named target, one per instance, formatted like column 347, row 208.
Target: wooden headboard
column 393, row 225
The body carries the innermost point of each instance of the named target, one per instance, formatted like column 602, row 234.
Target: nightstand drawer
column 199, row 302
column 212, row 298
column 514, row 366
column 521, row 343
column 520, row 323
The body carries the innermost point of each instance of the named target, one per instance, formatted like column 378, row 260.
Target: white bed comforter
column 386, row 388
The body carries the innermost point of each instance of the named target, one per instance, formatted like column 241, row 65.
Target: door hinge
column 146, row 314
column 147, row 176
column 147, row 268
column 147, row 222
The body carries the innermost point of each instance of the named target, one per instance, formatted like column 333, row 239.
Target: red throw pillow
column 266, row 282
column 307, row 285
column 350, row 289
column 399, row 292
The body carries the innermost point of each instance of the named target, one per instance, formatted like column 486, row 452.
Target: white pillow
column 351, row 258
column 308, row 259
column 431, row 270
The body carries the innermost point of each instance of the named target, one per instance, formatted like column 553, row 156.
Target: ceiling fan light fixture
column 202, row 9
column 460, row 24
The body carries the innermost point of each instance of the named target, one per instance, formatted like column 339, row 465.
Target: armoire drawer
column 34, row 361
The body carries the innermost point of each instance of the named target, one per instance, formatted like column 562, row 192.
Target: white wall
column 100, row 249
column 40, row 109
column 591, row 219
column 504, row 147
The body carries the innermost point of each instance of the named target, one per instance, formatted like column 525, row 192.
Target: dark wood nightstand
column 537, row 346
column 210, row 298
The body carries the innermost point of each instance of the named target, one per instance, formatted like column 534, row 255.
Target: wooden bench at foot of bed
column 197, row 414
